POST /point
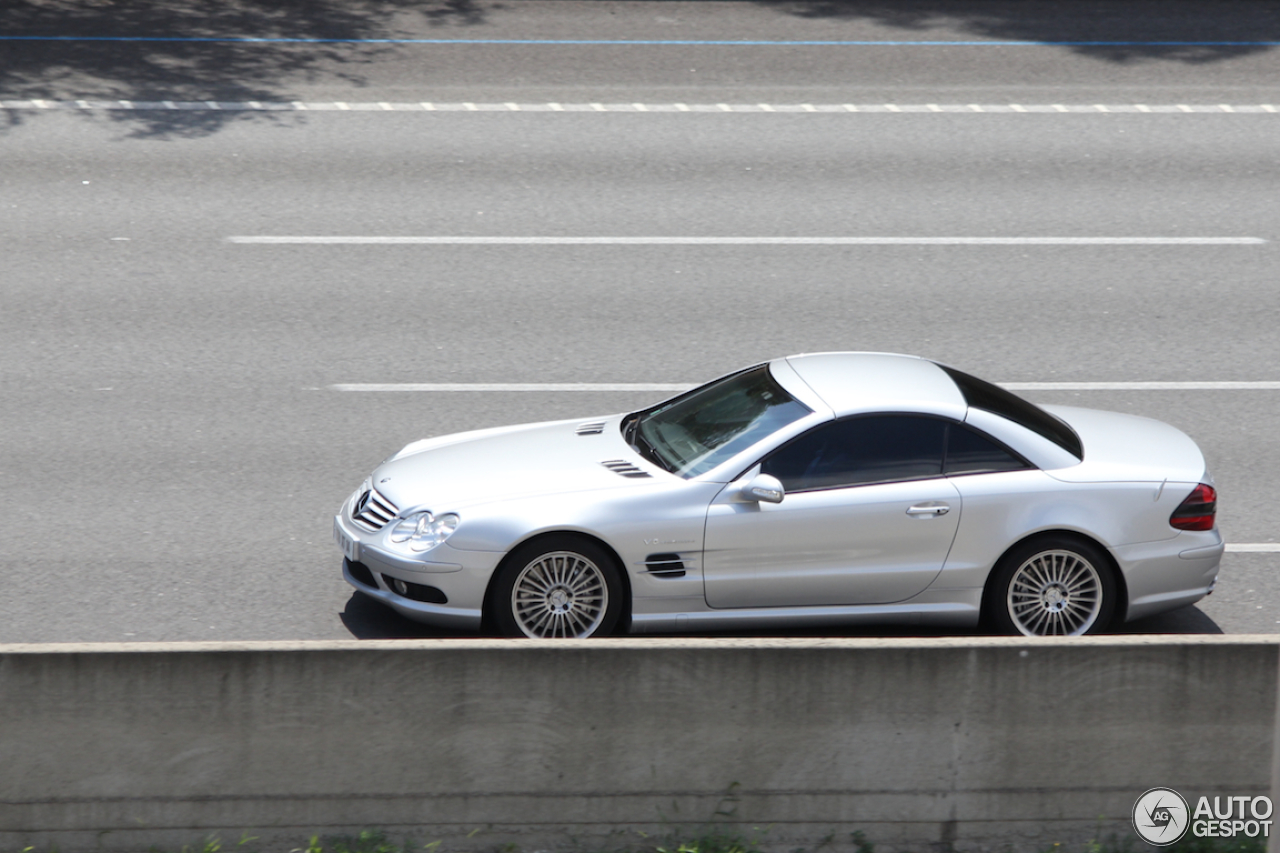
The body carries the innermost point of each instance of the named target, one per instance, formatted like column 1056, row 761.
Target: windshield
column 695, row 432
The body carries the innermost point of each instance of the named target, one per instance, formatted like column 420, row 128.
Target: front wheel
column 557, row 587
column 1052, row 586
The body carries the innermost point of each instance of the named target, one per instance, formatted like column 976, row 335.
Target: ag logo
column 1160, row 817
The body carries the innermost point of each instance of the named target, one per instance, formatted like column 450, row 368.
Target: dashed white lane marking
column 744, row 241
column 508, row 106
column 518, row 386
column 685, row 386
column 676, row 387
column 1142, row 386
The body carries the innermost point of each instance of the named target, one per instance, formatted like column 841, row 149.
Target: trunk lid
column 1128, row 448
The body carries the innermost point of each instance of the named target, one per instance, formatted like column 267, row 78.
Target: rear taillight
column 1197, row 511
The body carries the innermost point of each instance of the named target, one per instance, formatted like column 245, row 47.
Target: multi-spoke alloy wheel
column 569, row 592
column 1056, row 587
column 561, row 594
column 1055, row 592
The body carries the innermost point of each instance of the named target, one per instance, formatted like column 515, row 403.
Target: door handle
column 929, row 510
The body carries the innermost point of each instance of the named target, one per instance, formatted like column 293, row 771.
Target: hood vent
column 664, row 565
column 625, row 468
column 593, row 428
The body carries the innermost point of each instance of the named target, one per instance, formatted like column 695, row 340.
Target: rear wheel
column 1052, row 586
column 557, row 587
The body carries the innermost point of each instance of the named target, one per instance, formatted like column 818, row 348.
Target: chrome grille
column 372, row 511
column 623, row 467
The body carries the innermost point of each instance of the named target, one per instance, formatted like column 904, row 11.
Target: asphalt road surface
column 1044, row 197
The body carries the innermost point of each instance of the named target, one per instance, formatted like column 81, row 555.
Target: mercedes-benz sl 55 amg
column 830, row 488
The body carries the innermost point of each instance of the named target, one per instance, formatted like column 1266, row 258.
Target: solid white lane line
column 511, row 106
column 276, row 240
column 1255, row 548
column 684, row 386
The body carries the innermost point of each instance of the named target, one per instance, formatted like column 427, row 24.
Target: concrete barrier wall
column 932, row 744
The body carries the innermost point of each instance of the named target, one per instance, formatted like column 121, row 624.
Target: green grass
column 368, row 841
column 1188, row 844
column 711, row 843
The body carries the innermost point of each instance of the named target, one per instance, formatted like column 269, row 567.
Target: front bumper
column 444, row 587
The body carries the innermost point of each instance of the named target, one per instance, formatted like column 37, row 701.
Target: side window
column 875, row 449
column 970, row 452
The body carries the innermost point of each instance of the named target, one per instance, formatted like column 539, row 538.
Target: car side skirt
column 955, row 608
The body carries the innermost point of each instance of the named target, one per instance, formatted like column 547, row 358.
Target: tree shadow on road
column 102, row 50
column 1210, row 32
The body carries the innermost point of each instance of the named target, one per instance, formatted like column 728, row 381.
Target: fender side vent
column 625, row 468
column 664, row 565
column 593, row 428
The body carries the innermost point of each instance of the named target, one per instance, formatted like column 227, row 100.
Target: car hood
column 1128, row 448
column 453, row 471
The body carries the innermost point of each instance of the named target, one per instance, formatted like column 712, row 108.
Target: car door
column 868, row 518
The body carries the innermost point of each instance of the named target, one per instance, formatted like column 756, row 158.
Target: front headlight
column 423, row 531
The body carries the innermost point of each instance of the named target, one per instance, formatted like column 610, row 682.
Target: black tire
column 557, row 586
column 1054, row 585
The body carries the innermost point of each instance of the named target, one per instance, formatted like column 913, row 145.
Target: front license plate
column 350, row 547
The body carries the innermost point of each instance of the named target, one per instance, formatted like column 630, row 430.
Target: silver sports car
column 814, row 489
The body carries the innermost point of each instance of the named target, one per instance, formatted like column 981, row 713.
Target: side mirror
column 763, row 487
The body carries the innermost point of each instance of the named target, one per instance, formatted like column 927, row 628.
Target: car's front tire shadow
column 368, row 619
